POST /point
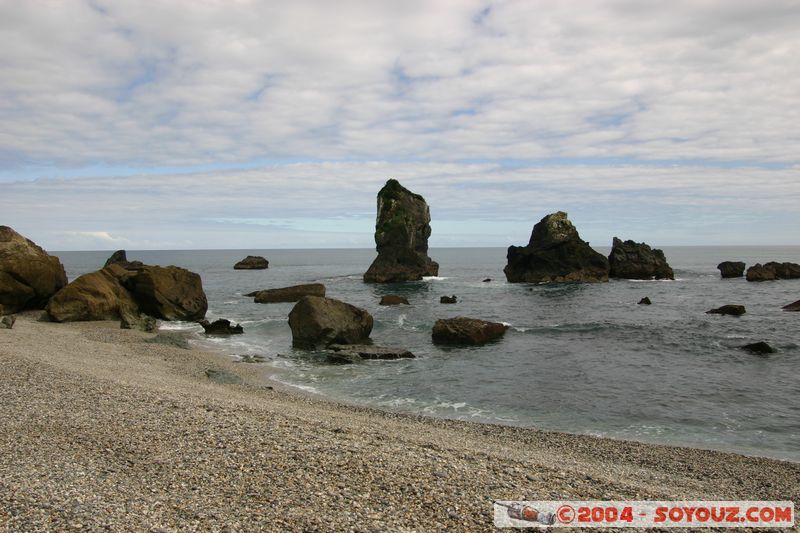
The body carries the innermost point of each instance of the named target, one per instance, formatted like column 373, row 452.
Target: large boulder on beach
column 288, row 294
column 95, row 296
column 29, row 276
column 316, row 321
column 402, row 230
column 636, row 260
column 731, row 269
column 252, row 262
column 466, row 331
column 169, row 293
column 772, row 271
column 555, row 253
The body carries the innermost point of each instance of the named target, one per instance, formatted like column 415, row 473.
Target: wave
column 434, row 278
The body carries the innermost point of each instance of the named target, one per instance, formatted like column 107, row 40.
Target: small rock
column 223, row 377
column 349, row 353
column 246, row 358
column 448, row 299
column 645, row 301
column 7, row 322
column 487, row 280
column 733, row 310
column 759, row 348
column 252, row 262
column 221, row 326
column 393, row 299
column 141, row 322
column 170, row 338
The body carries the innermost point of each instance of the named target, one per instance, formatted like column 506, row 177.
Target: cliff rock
column 632, row 260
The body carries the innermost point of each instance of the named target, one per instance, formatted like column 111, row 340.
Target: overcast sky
column 247, row 124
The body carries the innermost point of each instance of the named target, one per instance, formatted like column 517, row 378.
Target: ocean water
column 581, row 358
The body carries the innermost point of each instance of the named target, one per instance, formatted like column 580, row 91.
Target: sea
column 578, row 358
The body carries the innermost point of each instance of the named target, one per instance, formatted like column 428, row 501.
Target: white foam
column 433, row 278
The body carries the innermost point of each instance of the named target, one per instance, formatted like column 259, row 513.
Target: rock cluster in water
column 221, row 326
column 29, row 276
column 555, row 253
column 772, row 271
column 632, row 260
column 252, row 262
column 402, row 230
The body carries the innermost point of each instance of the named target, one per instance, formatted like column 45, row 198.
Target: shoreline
column 102, row 430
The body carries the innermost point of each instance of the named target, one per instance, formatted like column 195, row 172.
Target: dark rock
column 772, row 271
column 95, row 296
column 120, row 257
column 169, row 293
column 221, row 326
column 731, row 269
column 632, row 260
column 448, row 299
column 140, row 322
column 466, row 331
column 487, row 280
column 252, row 262
column 393, row 299
column 7, row 322
column 401, row 237
column 317, row 321
column 247, row 358
column 223, row 377
column 555, row 253
column 733, row 310
column 289, row 294
column 645, row 301
column 29, row 276
column 170, row 338
column 792, row 306
column 759, row 348
column 351, row 353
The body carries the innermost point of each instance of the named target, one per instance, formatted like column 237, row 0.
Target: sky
column 204, row 124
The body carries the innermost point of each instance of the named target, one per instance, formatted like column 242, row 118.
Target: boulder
column 393, row 299
column 772, row 271
column 352, row 353
column 632, row 260
column 120, row 257
column 555, row 253
column 466, row 331
column 402, row 230
column 252, row 262
column 98, row 295
column 733, row 310
column 731, row 269
column 448, row 299
column 289, row 294
column 221, row 326
column 645, row 301
column 792, row 306
column 169, row 293
column 758, row 348
column 7, row 322
column 316, row 321
column 29, row 276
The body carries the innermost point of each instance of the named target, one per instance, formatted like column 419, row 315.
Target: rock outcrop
column 448, row 299
column 555, row 253
column 731, row 269
column 316, row 322
column 29, row 276
column 402, row 230
column 632, row 260
column 758, row 348
column 795, row 306
column 288, row 294
column 252, row 262
column 393, row 299
column 466, row 331
column 645, row 301
column 95, row 296
column 169, row 293
column 120, row 257
column 221, row 326
column 353, row 353
column 772, row 271
column 733, row 310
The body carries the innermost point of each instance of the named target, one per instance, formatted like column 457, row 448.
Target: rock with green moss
column 402, row 230
column 555, row 253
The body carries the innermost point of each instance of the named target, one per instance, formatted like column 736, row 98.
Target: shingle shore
column 100, row 431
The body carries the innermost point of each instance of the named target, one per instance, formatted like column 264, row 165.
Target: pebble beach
column 101, row 430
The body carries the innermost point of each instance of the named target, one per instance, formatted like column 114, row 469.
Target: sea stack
column 555, row 253
column 633, row 260
column 402, row 230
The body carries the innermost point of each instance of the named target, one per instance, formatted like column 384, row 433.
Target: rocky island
column 634, row 260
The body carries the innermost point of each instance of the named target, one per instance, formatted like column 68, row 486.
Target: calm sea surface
column 577, row 358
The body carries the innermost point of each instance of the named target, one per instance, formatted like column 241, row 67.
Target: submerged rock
column 632, row 260
column 466, row 331
column 733, row 310
column 448, row 299
column 792, row 306
column 221, row 326
column 393, row 299
column 288, row 294
column 317, row 321
column 645, row 301
column 555, row 253
column 402, row 230
column 731, row 269
column 169, row 293
column 95, row 296
column 772, row 271
column 759, row 348
column 351, row 353
column 252, row 262
column 29, row 276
